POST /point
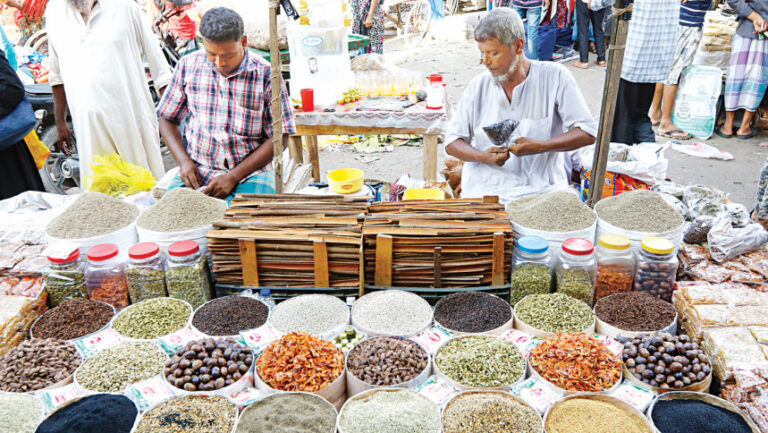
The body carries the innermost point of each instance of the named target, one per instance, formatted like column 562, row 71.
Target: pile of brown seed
column 208, row 364
column 37, row 364
column 93, row 214
column 386, row 361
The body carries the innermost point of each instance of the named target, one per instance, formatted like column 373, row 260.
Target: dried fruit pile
column 576, row 362
column 300, row 362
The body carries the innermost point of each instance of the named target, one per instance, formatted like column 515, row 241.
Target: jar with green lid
column 186, row 273
column 615, row 266
column 146, row 272
column 576, row 270
column 531, row 269
column 65, row 276
column 657, row 265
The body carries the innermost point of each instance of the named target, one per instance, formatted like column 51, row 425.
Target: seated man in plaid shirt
column 226, row 92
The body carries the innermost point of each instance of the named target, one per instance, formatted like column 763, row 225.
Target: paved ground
column 447, row 50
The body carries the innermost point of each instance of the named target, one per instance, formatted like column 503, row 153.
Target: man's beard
column 83, row 6
column 507, row 76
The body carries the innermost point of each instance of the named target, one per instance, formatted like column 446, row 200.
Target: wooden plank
column 321, row 265
column 313, row 157
column 383, row 273
column 430, row 157
column 497, row 271
column 248, row 262
column 296, row 149
column 314, row 130
column 438, row 267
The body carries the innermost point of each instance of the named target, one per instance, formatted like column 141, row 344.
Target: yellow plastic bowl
column 424, row 194
column 345, row 180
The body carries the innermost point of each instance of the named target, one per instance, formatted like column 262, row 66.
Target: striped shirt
column 525, row 4
column 229, row 117
column 692, row 12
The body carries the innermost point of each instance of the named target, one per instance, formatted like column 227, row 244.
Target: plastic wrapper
column 22, row 286
column 676, row 205
column 760, row 333
column 114, row 176
column 709, row 271
column 644, row 161
column 501, row 132
column 671, row 188
column 727, row 242
column 692, row 254
column 731, row 348
column 17, row 313
column 702, row 293
column 739, row 214
column 756, row 261
column 697, row 231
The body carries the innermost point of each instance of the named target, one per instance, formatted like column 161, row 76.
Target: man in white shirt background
column 96, row 50
column 543, row 97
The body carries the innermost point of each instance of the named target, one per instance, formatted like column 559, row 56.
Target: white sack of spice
column 182, row 209
column 558, row 211
column 92, row 214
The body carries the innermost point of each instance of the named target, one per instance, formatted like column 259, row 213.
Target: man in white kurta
column 543, row 97
column 96, row 50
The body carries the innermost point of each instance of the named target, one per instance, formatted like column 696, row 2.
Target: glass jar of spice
column 576, row 270
column 531, row 269
column 145, row 272
column 615, row 266
column 657, row 265
column 186, row 273
column 64, row 275
column 105, row 276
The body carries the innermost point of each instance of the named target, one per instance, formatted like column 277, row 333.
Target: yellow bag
column 38, row 150
column 114, row 176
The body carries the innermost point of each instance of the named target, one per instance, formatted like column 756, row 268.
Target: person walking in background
column 591, row 11
column 689, row 33
column 369, row 21
column 19, row 171
column 747, row 77
column 647, row 60
column 529, row 10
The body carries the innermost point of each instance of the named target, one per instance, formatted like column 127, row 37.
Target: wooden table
column 415, row 120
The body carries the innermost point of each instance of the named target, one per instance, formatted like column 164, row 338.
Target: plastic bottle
column 577, row 269
column 105, row 276
column 531, row 268
column 265, row 296
column 656, row 268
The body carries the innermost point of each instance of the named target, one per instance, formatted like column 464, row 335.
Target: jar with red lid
column 576, row 270
column 64, row 275
column 145, row 272
column 186, row 273
column 105, row 276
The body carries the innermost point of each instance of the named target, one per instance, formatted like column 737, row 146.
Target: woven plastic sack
column 114, row 176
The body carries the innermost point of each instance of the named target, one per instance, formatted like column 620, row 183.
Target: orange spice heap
column 576, row 362
column 300, row 362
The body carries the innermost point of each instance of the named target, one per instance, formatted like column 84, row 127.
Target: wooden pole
column 277, row 111
column 621, row 17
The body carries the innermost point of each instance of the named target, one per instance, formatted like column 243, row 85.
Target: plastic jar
column 577, row 269
column 657, row 265
column 531, row 269
column 615, row 266
column 105, row 276
column 65, row 277
column 145, row 272
column 186, row 273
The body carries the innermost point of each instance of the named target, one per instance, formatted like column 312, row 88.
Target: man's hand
column 496, row 156
column 525, row 146
column 368, row 23
column 64, row 141
column 758, row 21
column 189, row 174
column 757, row 219
column 221, row 185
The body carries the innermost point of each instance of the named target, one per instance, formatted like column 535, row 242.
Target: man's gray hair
column 503, row 24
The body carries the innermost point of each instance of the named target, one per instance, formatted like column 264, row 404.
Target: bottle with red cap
column 146, row 272
column 577, row 269
column 105, row 276
column 186, row 273
column 64, row 274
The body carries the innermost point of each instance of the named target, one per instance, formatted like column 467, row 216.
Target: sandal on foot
column 601, row 63
column 751, row 134
column 581, row 65
column 671, row 134
column 719, row 132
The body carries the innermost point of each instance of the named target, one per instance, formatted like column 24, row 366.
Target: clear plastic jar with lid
column 64, row 275
column 615, row 266
column 531, row 269
column 186, row 273
column 146, row 272
column 656, row 271
column 577, row 269
column 105, row 276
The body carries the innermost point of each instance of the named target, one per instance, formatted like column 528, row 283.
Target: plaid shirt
column 229, row 117
column 651, row 41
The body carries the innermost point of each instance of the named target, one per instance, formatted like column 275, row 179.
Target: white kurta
column 547, row 104
column 101, row 67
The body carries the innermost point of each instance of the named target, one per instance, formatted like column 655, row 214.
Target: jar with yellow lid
column 615, row 266
column 656, row 271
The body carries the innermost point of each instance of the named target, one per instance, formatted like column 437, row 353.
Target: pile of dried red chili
column 576, row 362
column 300, row 362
